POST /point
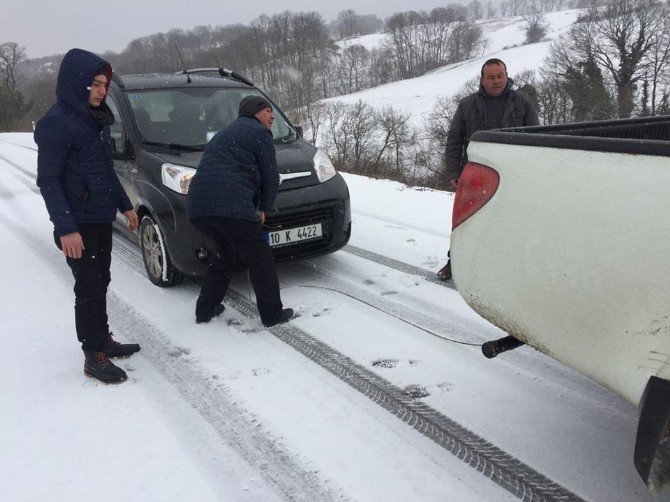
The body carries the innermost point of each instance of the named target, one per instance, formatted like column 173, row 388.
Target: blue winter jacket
column 237, row 174
column 75, row 171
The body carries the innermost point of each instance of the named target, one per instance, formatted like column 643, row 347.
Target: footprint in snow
column 325, row 310
column 252, row 330
column 237, row 374
column 388, row 362
column 444, row 387
column 416, row 391
column 385, row 363
column 179, row 351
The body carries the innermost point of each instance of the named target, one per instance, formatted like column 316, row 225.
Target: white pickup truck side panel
column 599, row 248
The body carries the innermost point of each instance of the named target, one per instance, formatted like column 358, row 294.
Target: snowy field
column 232, row 411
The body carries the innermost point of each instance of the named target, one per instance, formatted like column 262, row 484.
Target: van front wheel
column 157, row 261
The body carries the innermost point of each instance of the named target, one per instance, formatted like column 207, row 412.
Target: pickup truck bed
column 569, row 252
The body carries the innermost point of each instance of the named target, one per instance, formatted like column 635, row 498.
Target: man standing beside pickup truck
column 234, row 185
column 495, row 105
column 75, row 173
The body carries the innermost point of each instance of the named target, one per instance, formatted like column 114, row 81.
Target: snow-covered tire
column 156, row 259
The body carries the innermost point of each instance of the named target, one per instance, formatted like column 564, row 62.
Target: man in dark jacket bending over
column 235, row 184
column 75, row 173
column 494, row 106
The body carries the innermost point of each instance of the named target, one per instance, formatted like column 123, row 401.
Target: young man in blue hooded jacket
column 75, row 174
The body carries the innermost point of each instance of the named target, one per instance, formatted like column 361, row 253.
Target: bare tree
column 337, row 138
column 619, row 38
column 554, row 102
column 516, row 7
column 352, row 67
column 315, row 114
column 346, row 24
column 476, row 10
column 360, row 121
column 11, row 54
column 13, row 105
column 396, row 134
column 419, row 42
column 535, row 27
column 657, row 72
column 381, row 67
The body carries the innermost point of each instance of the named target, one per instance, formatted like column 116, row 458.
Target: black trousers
column 91, row 279
column 244, row 238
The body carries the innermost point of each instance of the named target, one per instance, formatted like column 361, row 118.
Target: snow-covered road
column 360, row 398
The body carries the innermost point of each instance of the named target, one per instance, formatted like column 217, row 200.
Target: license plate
column 286, row 237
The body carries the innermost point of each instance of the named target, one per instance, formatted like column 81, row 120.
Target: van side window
column 117, row 129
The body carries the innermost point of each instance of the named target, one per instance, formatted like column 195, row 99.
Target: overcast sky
column 46, row 27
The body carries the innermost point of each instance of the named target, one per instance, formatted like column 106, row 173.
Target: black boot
column 284, row 316
column 116, row 349
column 218, row 310
column 445, row 272
column 98, row 366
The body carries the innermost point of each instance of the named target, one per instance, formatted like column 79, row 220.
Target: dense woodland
column 614, row 62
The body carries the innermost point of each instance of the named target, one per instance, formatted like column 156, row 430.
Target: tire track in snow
column 31, row 175
column 503, row 469
column 397, row 265
column 20, row 145
column 457, row 328
column 277, row 466
column 500, row 467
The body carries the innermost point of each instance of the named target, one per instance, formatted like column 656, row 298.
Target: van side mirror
column 298, row 130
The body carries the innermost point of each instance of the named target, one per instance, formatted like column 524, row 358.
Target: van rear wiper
column 177, row 146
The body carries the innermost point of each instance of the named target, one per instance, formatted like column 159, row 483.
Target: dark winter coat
column 75, row 171
column 471, row 116
column 237, row 175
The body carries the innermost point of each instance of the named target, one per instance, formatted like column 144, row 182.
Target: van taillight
column 476, row 186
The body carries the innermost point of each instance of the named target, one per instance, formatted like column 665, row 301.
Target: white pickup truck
column 561, row 237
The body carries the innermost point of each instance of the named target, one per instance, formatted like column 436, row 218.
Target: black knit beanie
column 251, row 105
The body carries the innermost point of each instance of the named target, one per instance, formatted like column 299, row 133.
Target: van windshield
column 191, row 117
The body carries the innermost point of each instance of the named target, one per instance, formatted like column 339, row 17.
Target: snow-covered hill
column 504, row 38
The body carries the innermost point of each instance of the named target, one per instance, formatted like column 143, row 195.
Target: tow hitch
column 496, row 347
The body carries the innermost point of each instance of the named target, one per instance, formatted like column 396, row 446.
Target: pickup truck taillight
column 476, row 186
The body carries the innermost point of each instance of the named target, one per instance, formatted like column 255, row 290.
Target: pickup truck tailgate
column 589, row 282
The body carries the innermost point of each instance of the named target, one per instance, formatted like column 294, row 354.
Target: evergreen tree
column 590, row 98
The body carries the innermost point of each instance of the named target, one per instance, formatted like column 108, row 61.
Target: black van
column 163, row 123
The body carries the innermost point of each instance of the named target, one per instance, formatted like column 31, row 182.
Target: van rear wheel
column 157, row 261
